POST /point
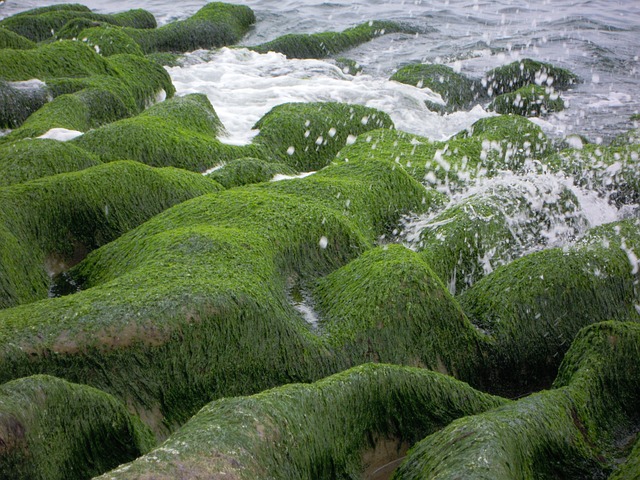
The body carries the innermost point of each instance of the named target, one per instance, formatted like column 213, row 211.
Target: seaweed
column 54, row 429
column 325, row 44
column 528, row 101
column 513, row 76
column 456, row 90
column 567, row 432
column 352, row 423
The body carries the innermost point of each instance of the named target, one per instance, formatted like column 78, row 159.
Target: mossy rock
column 166, row 59
column 307, row 136
column 42, row 23
column 245, row 171
column 180, row 132
column 57, row 220
column 510, row 78
column 214, row 25
column 528, row 101
column 109, row 41
column 345, row 426
column 390, row 293
column 455, row 89
column 171, row 306
column 534, row 306
column 26, row 160
column 9, row 39
column 18, row 100
column 630, row 468
column 348, row 66
column 58, row 430
column 325, row 44
column 568, row 432
column 59, row 59
column 610, row 170
column 132, row 84
column 472, row 238
column 489, row 146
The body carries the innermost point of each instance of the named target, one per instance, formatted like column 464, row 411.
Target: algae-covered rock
column 213, row 26
column 456, row 90
column 510, row 78
column 489, row 146
column 59, row 59
column 18, row 100
column 43, row 23
column 528, row 101
column 630, row 468
column 53, row 429
column 351, row 424
column 109, row 41
column 172, row 306
column 325, row 44
column 180, row 132
column 132, row 84
column 506, row 219
column 307, row 136
column 35, row 158
column 348, row 66
column 611, row 170
column 390, row 293
column 9, row 39
column 534, row 306
column 51, row 223
column 569, row 432
column 245, row 171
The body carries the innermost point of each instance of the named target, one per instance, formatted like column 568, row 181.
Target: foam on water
column 546, row 212
column 61, row 134
column 243, row 85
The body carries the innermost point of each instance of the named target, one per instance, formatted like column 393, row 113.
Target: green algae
column 348, row 66
column 456, row 90
column 30, row 159
column 325, row 44
column 172, row 305
column 109, row 41
column 9, row 39
column 528, row 101
column 180, row 132
column 80, row 104
column 567, row 432
column 307, row 136
column 513, row 76
column 53, row 429
column 468, row 240
column 59, row 59
column 534, row 306
column 329, row 429
column 611, row 170
column 56, row 220
column 245, row 171
column 214, row 25
column 43, row 23
column 489, row 146
column 389, row 293
column 630, row 468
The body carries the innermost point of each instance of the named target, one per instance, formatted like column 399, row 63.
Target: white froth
column 279, row 177
column 61, row 134
column 243, row 85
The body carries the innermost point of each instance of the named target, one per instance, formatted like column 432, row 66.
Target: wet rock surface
column 337, row 298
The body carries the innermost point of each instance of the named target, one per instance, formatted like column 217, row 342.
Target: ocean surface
column 597, row 39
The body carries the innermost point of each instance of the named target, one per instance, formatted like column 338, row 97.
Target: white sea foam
column 61, row 134
column 243, row 85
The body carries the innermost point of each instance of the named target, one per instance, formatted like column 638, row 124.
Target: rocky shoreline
column 151, row 314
